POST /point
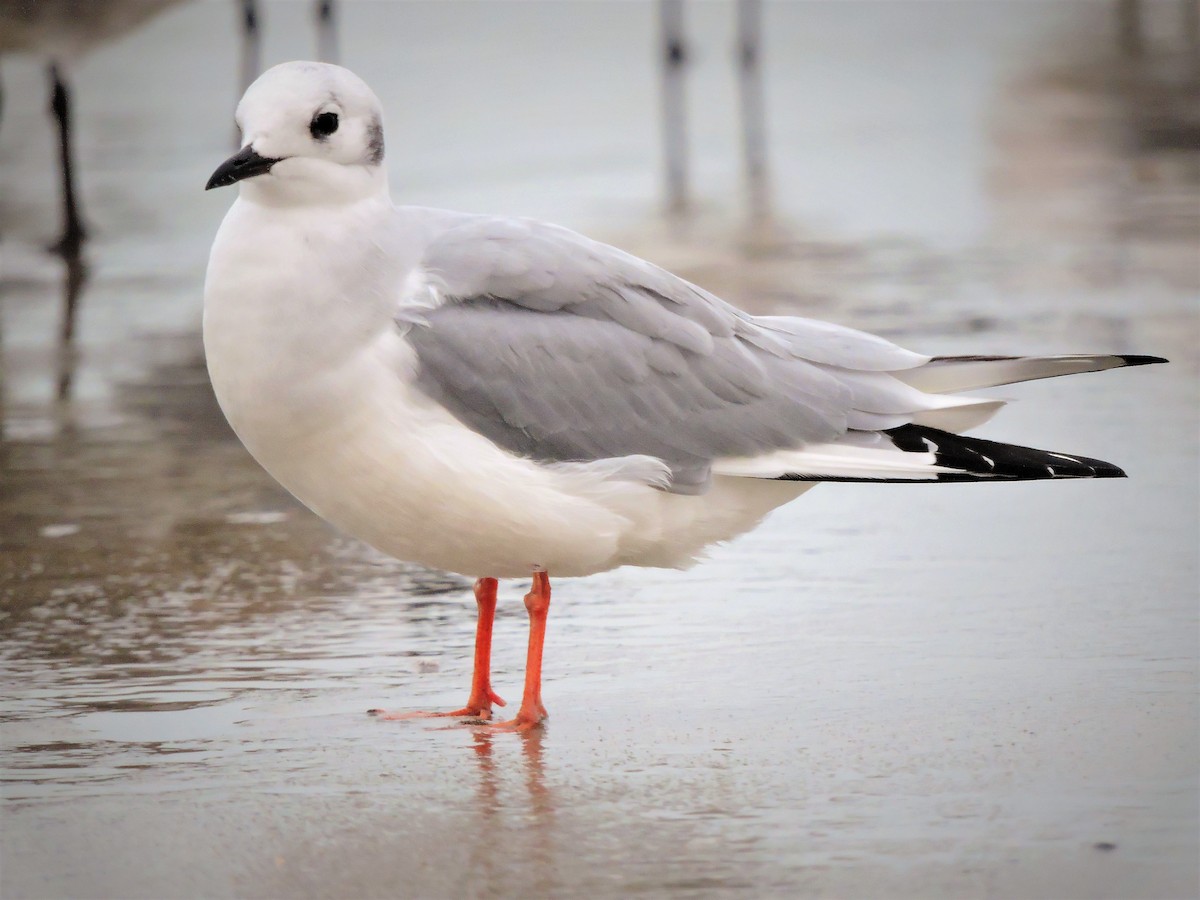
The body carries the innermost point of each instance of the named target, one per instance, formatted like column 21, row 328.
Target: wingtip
column 1099, row 469
column 1141, row 360
column 975, row 459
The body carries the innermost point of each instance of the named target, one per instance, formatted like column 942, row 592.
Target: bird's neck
column 302, row 182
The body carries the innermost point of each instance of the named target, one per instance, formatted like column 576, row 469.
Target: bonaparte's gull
column 500, row 397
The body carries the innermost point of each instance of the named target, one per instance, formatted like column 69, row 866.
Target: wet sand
column 901, row 691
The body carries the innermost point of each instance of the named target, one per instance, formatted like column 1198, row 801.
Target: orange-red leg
column 532, row 712
column 479, row 703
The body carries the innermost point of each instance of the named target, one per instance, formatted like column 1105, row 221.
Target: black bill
column 242, row 165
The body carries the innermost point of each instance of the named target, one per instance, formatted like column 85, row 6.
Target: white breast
column 314, row 378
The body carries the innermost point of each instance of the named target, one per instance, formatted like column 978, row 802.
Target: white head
column 311, row 133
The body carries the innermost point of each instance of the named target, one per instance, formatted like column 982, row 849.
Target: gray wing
column 562, row 349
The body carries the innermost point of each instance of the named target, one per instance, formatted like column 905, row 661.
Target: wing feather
column 562, row 349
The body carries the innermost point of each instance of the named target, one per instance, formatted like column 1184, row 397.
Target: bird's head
column 311, row 133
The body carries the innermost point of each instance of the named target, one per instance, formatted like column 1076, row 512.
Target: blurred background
column 958, row 691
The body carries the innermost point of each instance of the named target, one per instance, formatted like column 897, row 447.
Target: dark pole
column 674, row 118
column 251, row 43
column 326, row 32
column 750, row 88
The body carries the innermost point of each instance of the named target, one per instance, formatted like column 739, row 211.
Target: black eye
column 323, row 125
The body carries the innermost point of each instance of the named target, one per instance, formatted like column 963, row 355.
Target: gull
column 500, row 397
column 63, row 31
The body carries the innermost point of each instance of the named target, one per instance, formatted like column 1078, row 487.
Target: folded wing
column 561, row 349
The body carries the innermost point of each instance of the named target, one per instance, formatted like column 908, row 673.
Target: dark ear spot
column 375, row 142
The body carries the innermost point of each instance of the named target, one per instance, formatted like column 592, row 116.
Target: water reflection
column 544, row 847
column 532, row 812
column 75, row 275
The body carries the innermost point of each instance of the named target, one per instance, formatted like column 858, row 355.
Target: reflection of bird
column 62, row 31
column 75, row 275
column 498, row 396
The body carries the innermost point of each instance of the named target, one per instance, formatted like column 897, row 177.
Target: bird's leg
column 479, row 703
column 532, row 712
column 60, row 104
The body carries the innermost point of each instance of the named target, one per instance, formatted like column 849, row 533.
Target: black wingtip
column 974, row 459
column 1141, row 360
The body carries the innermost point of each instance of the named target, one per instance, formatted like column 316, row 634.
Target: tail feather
column 943, row 374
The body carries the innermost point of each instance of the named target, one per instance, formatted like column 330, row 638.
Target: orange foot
column 479, row 703
column 473, row 710
column 523, row 722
